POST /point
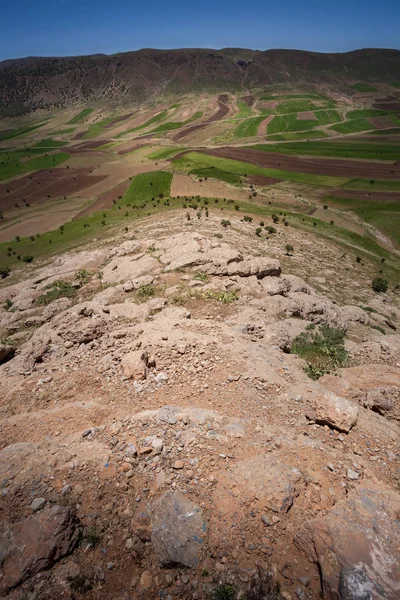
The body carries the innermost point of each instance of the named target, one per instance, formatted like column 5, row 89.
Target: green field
column 10, row 134
column 383, row 215
column 375, row 151
column 80, row 116
column 300, row 135
column 365, row 113
column 352, row 126
column 148, row 186
column 295, row 106
column 294, row 96
column 194, row 160
column 290, row 123
column 244, row 110
column 10, row 168
column 216, row 173
column 176, row 124
column 48, row 143
column 373, row 184
column 248, row 128
column 364, row 87
column 159, row 117
column 164, row 153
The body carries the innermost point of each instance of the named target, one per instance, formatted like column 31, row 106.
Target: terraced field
column 300, row 150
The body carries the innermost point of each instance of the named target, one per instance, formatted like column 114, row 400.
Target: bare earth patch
column 183, row 185
column 307, row 115
column 262, row 128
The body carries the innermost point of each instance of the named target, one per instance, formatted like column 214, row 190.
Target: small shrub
column 83, row 275
column 258, row 231
column 146, row 291
column 275, row 218
column 224, row 297
column 59, row 289
column 323, row 349
column 8, row 304
column 225, row 223
column 223, row 592
column 270, row 229
column 247, row 219
column 4, row 272
column 201, row 276
column 27, row 259
column 289, row 249
column 379, row 284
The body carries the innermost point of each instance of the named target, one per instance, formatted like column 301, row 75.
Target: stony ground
column 160, row 440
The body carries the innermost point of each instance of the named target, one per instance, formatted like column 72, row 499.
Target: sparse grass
column 201, row 277
column 80, row 116
column 322, row 348
column 83, row 275
column 58, row 289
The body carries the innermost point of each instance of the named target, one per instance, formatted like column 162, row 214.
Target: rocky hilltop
column 162, row 438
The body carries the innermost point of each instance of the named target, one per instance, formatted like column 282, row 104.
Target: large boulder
column 332, row 410
column 356, row 546
column 178, row 530
column 374, row 386
column 35, row 544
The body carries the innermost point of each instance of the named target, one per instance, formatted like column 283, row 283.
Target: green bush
column 4, row 272
column 59, row 289
column 380, row 285
column 146, row 291
column 323, row 349
column 27, row 259
column 270, row 229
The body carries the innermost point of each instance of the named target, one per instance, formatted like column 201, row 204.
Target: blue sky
column 69, row 27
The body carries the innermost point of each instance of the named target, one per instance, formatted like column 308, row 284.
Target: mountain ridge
column 47, row 82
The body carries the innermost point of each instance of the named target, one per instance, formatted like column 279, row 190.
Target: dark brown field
column 312, row 166
column 220, row 114
column 43, row 185
column 132, row 148
column 104, row 200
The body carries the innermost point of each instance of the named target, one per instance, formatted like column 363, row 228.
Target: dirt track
column 220, row 114
column 312, row 166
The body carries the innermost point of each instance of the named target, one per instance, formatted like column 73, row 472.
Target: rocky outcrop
column 35, row 544
column 356, row 546
column 178, row 530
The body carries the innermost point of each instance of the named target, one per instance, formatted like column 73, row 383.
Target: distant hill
column 34, row 82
